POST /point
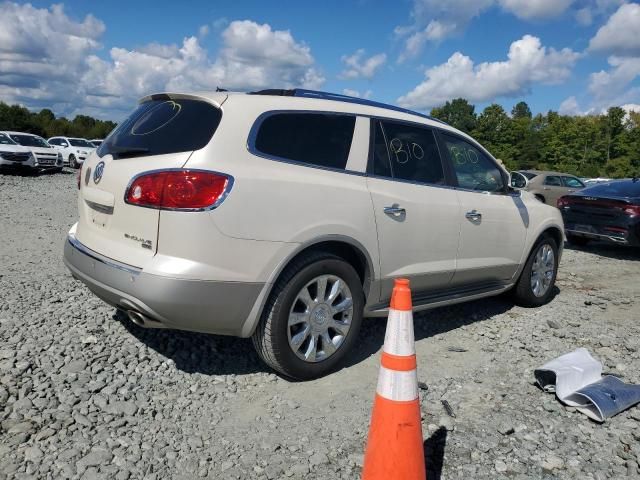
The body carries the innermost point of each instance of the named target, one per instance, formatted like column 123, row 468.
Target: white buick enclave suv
column 285, row 216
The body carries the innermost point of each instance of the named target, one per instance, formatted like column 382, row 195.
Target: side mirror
column 518, row 181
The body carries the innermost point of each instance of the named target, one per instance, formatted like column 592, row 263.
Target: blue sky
column 576, row 56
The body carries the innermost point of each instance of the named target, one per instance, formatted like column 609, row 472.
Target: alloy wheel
column 542, row 270
column 320, row 318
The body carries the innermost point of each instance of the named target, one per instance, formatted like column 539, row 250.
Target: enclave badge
column 97, row 173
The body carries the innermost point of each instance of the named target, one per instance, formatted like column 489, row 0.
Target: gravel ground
column 86, row 394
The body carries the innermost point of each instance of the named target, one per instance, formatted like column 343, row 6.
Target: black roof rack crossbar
column 300, row 92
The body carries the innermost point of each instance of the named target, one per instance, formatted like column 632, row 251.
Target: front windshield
column 5, row 140
column 79, row 142
column 30, row 140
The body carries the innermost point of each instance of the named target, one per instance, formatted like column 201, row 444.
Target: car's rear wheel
column 72, row 161
column 311, row 318
column 535, row 285
column 578, row 241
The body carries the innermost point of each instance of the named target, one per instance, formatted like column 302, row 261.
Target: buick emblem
column 97, row 173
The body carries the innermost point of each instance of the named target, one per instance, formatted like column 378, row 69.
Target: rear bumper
column 184, row 304
column 620, row 233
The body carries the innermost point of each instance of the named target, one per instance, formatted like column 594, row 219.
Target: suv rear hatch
column 161, row 133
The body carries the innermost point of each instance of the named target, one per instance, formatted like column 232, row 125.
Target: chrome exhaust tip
column 137, row 318
column 143, row 321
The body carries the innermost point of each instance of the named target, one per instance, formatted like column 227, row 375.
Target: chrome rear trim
column 73, row 241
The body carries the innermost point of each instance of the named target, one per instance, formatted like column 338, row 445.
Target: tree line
column 588, row 146
column 45, row 123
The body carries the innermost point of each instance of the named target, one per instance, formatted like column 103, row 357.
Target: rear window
column 529, row 175
column 627, row 188
column 553, row 181
column 311, row 138
column 163, row 126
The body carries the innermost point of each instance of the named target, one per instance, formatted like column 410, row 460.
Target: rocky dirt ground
column 86, row 394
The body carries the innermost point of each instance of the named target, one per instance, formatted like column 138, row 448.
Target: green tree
column 458, row 113
column 521, row 110
column 494, row 130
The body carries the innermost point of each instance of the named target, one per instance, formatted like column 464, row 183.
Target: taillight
column 563, row 202
column 178, row 189
column 632, row 210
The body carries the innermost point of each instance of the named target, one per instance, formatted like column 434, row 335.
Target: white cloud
column 356, row 93
column 614, row 87
column 203, row 31
column 631, row 107
column 528, row 63
column 48, row 59
column 359, row 66
column 536, row 9
column 569, row 107
column 584, row 16
column 435, row 20
column 42, row 52
column 621, row 34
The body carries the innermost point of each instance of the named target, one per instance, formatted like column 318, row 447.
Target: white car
column 74, row 150
column 285, row 216
column 14, row 156
column 45, row 156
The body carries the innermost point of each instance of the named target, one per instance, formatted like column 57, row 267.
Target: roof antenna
column 218, row 89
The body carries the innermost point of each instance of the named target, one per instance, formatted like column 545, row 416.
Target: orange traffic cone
column 395, row 449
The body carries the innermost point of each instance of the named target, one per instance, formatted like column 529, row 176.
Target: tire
column 523, row 292
column 72, row 161
column 540, row 197
column 578, row 241
column 274, row 336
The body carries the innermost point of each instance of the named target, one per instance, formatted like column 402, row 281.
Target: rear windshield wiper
column 127, row 151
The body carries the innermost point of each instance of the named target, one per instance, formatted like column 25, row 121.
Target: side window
column 53, row 141
column 473, row 169
column 410, row 151
column 553, row 181
column 313, row 138
column 572, row 182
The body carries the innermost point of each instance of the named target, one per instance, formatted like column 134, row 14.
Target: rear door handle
column 473, row 215
column 394, row 210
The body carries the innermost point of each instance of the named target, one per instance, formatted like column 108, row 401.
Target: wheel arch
column 347, row 248
column 555, row 233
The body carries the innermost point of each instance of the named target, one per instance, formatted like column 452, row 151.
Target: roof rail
column 300, row 92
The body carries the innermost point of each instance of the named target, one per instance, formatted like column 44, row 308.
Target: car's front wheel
column 311, row 318
column 535, row 285
column 72, row 161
